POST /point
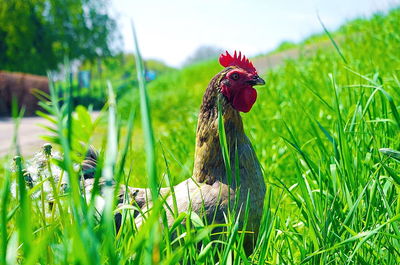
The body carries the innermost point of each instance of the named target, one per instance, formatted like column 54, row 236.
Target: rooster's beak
column 256, row 81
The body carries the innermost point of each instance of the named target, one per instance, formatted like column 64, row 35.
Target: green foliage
column 318, row 128
column 36, row 35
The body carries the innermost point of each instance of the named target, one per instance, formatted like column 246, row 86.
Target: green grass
column 317, row 127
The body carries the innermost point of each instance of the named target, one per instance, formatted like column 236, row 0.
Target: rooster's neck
column 209, row 165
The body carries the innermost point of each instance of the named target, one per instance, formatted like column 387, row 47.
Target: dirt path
column 263, row 63
column 29, row 134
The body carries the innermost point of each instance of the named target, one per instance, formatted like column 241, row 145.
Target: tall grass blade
column 146, row 119
column 108, row 175
column 152, row 249
column 332, row 40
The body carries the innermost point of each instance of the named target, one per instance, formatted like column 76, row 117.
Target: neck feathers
column 209, row 165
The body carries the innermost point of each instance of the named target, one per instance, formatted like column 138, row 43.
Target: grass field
column 317, row 127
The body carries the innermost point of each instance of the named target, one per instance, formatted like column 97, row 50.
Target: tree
column 36, row 35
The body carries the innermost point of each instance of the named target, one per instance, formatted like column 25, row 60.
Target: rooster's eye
column 235, row 76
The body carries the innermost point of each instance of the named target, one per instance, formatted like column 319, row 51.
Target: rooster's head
column 237, row 84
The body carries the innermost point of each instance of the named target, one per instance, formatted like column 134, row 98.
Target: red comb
column 237, row 60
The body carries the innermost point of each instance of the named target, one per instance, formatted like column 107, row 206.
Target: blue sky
column 171, row 30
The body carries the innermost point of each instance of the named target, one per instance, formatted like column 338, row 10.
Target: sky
column 171, row 30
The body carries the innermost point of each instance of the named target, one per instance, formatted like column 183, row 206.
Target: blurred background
column 95, row 38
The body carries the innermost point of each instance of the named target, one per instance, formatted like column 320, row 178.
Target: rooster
column 208, row 192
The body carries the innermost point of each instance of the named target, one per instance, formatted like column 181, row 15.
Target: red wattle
column 244, row 100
